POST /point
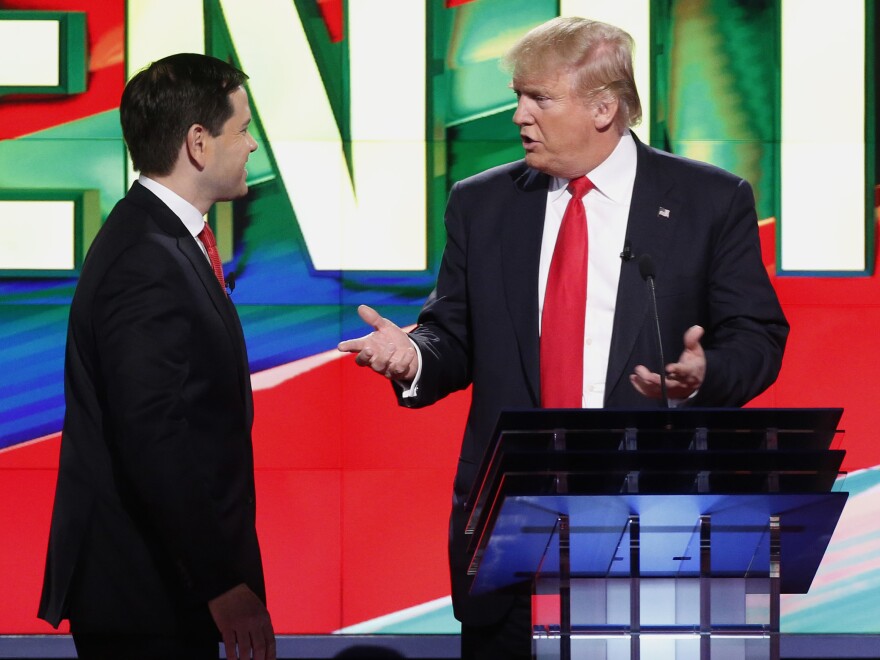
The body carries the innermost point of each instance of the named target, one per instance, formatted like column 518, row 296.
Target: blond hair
column 599, row 56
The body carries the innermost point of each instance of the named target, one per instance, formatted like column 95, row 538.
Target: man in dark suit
column 153, row 548
column 534, row 314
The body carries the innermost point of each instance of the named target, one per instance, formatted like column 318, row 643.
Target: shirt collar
column 613, row 177
column 189, row 215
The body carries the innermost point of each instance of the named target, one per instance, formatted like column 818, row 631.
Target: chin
column 236, row 194
column 533, row 161
column 541, row 165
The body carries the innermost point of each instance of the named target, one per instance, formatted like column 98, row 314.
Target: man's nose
column 522, row 116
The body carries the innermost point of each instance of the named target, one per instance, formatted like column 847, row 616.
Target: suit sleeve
column 747, row 329
column 145, row 325
column 443, row 331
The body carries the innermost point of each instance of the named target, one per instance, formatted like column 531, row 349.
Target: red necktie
column 565, row 304
column 206, row 236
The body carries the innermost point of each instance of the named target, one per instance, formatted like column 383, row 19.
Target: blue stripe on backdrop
column 31, row 363
column 46, row 421
column 41, row 373
column 289, row 311
column 33, row 337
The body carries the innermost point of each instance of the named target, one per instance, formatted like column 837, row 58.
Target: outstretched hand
column 387, row 350
column 683, row 378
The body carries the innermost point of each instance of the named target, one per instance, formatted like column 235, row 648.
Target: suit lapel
column 521, row 255
column 221, row 303
column 202, row 267
column 171, row 224
column 224, row 307
column 654, row 209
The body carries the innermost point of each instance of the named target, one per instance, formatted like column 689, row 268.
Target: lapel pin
column 663, row 212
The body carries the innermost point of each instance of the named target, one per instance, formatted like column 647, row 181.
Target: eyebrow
column 527, row 87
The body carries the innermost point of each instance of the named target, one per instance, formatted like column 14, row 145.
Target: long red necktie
column 206, row 236
column 565, row 304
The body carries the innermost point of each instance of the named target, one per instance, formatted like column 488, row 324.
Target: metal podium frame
column 710, row 497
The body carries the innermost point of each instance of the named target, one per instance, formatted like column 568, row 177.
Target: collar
column 189, row 215
column 613, row 177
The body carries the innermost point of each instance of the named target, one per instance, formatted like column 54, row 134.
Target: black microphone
column 230, row 281
column 627, row 254
column 646, row 270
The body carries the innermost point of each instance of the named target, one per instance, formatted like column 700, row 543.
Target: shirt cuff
column 675, row 403
column 412, row 390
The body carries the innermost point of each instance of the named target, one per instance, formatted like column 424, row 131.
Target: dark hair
column 162, row 101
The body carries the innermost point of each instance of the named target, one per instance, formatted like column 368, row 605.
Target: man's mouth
column 528, row 143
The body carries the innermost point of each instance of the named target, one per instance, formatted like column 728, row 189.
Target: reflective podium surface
column 656, row 533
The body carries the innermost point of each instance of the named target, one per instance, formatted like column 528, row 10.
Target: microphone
column 627, row 254
column 230, row 281
column 646, row 270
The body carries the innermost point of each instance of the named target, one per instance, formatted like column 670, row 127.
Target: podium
column 656, row 533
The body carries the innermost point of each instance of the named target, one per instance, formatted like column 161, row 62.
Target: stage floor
column 430, row 647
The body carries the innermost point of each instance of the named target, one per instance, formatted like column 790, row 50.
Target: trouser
column 508, row 639
column 95, row 646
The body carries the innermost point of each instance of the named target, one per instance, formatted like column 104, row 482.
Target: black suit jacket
column 480, row 325
column 154, row 508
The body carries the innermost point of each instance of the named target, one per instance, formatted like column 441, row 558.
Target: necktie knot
column 580, row 186
column 206, row 236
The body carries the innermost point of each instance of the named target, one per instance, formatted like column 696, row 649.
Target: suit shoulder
column 678, row 166
column 129, row 233
column 506, row 174
column 123, row 227
column 127, row 217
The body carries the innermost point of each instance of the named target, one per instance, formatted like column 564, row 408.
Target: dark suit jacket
column 480, row 325
column 154, row 508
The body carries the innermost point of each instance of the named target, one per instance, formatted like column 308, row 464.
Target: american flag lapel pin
column 663, row 213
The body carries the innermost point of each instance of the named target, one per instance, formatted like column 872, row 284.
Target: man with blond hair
column 540, row 301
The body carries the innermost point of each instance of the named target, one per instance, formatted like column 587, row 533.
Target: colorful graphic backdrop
column 366, row 112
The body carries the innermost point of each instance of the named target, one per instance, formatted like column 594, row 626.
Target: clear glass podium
column 656, row 534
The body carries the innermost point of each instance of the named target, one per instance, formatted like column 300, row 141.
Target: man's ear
column 196, row 144
column 604, row 112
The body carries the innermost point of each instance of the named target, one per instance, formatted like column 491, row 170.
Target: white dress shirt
column 607, row 207
column 189, row 215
